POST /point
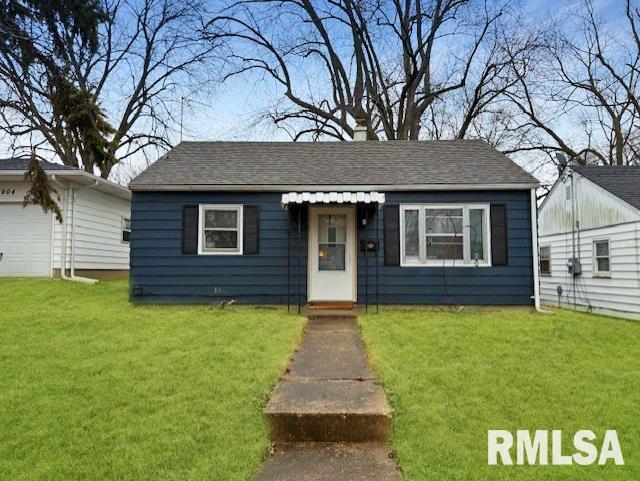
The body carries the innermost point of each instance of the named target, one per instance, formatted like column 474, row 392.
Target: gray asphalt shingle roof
column 621, row 180
column 22, row 164
column 333, row 163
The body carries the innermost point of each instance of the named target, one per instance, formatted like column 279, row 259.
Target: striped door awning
column 332, row 198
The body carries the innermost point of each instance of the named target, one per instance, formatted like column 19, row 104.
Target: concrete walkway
column 328, row 415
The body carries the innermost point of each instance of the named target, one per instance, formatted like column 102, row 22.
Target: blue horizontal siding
column 165, row 275
column 503, row 285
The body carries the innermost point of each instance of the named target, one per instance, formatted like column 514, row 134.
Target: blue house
column 397, row 222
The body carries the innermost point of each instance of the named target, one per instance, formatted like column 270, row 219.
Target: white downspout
column 73, row 276
column 63, row 251
column 534, row 244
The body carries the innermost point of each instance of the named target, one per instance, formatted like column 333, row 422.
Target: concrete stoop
column 328, row 415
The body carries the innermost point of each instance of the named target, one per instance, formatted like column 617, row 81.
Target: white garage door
column 25, row 241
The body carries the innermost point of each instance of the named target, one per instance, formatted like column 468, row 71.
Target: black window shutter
column 190, row 229
column 392, row 235
column 499, row 244
column 251, row 229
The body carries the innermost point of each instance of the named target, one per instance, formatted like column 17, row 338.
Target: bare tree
column 578, row 89
column 479, row 109
column 385, row 62
column 95, row 105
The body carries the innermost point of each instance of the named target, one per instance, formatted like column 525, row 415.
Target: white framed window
column 445, row 235
column 220, row 229
column 601, row 259
column 545, row 260
column 126, row 229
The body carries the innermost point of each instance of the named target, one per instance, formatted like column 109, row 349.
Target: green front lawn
column 450, row 377
column 93, row 388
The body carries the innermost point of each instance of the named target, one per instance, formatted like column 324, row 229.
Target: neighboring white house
column 593, row 214
column 93, row 239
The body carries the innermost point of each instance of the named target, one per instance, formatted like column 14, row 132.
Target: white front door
column 25, row 241
column 332, row 240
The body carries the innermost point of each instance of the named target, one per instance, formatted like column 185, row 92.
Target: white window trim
column 466, row 262
column 123, row 224
column 222, row 251
column 546, row 274
column 596, row 271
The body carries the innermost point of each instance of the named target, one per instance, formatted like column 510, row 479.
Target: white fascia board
column 78, row 176
column 324, row 188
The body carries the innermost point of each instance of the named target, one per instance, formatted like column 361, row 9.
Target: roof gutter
column 63, row 251
column 59, row 174
column 327, row 188
column 535, row 259
column 69, row 191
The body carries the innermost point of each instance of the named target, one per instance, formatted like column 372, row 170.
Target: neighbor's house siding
column 618, row 294
column 600, row 215
column 594, row 207
column 98, row 231
column 164, row 274
column 25, row 234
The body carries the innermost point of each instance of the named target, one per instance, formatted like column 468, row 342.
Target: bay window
column 445, row 235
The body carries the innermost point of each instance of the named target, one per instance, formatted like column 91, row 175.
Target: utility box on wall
column 574, row 266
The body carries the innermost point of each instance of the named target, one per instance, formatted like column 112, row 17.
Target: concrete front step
column 323, row 305
column 332, row 314
column 329, row 462
column 320, row 410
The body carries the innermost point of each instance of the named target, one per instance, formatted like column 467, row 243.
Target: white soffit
column 332, row 198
